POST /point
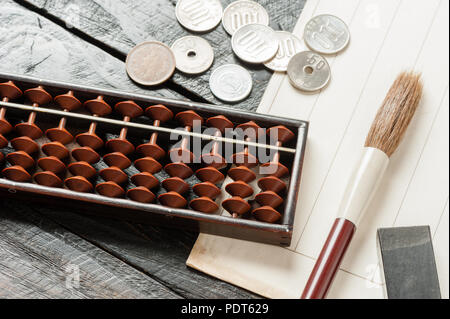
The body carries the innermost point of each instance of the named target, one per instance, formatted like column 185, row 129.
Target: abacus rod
column 122, row 123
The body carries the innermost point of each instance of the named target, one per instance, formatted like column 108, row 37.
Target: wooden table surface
column 43, row 250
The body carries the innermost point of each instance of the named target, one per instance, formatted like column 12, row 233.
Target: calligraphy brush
column 384, row 136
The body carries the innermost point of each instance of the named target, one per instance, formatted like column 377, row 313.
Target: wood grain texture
column 40, row 259
column 31, row 44
column 159, row 252
column 123, row 24
column 86, row 42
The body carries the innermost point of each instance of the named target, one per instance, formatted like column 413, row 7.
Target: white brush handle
column 363, row 184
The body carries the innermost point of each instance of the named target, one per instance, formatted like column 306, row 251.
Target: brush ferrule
column 363, row 184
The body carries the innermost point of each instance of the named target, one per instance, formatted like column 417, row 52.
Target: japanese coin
column 199, row 15
column 326, row 34
column 150, row 63
column 308, row 71
column 230, row 83
column 193, row 54
column 289, row 46
column 240, row 13
column 255, row 43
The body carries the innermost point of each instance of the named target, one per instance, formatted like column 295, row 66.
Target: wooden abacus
column 141, row 170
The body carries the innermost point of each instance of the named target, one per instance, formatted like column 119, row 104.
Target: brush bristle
column 395, row 114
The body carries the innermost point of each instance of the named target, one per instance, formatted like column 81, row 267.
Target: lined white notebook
column 387, row 36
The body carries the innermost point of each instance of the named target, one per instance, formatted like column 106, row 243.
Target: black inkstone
column 408, row 263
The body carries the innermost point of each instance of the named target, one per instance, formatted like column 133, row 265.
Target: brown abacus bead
column 3, row 141
column 145, row 179
column 113, row 175
column 8, row 91
column 245, row 158
column 206, row 189
column 97, row 107
column 214, row 158
column 110, row 189
column 236, row 206
column 182, row 153
column 149, row 164
column 16, row 173
column 20, row 158
column 2, row 157
column 172, row 199
column 26, row 144
column 83, row 169
column 210, row 175
column 79, row 184
column 272, row 185
column 274, row 167
column 55, row 149
column 204, row 204
column 266, row 214
column 51, row 166
column 85, row 154
column 129, row 110
column 47, row 178
column 160, row 114
column 241, row 174
column 117, row 162
column 239, row 188
column 141, row 194
column 178, row 170
column 38, row 96
column 68, row 102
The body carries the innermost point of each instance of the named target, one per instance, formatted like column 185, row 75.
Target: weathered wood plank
column 30, row 44
column 122, row 24
column 159, row 252
column 40, row 259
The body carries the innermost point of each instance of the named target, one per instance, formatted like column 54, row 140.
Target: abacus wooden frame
column 277, row 234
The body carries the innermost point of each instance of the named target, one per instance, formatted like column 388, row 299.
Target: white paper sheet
column 387, row 36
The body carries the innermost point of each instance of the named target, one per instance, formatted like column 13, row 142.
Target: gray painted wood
column 122, row 24
column 31, row 44
column 159, row 252
column 39, row 259
column 85, row 42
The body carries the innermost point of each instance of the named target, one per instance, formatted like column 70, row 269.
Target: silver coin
column 289, row 46
column 199, row 15
column 150, row 63
column 326, row 34
column 308, row 71
column 230, row 83
column 243, row 12
column 255, row 43
column 193, row 54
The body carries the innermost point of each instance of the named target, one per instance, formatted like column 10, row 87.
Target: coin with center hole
column 230, row 83
column 199, row 15
column 308, row 71
column 326, row 34
column 150, row 63
column 255, row 43
column 193, row 54
column 289, row 46
column 240, row 13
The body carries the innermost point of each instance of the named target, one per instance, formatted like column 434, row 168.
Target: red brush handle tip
column 329, row 260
